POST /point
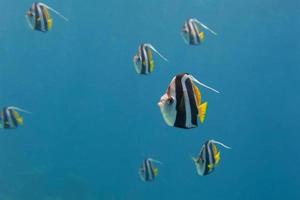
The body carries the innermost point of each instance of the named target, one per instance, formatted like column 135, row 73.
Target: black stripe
column 180, row 105
column 148, row 51
column 191, row 38
column 146, row 171
column 197, row 32
column 208, row 162
column 193, row 104
column 37, row 24
column 212, row 152
column 43, row 9
column 143, row 70
column 152, row 175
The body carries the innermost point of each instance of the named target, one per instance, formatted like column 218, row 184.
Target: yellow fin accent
column 202, row 36
column 50, row 23
column 18, row 117
column 210, row 166
column 155, row 171
column 151, row 66
column 217, row 157
column 202, row 111
column 198, row 94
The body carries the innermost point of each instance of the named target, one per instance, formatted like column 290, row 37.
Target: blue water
column 94, row 119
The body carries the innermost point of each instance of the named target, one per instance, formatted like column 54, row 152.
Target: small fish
column 143, row 60
column 192, row 31
column 148, row 171
column 182, row 103
column 208, row 158
column 10, row 118
column 39, row 18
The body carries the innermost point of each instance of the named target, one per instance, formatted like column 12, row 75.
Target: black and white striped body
column 10, row 118
column 179, row 105
column 146, row 170
column 192, row 33
column 143, row 60
column 39, row 17
column 208, row 158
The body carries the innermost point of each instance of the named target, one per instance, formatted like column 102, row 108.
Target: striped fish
column 143, row 60
column 39, row 18
column 182, row 103
column 148, row 171
column 192, row 31
column 10, row 118
column 208, row 158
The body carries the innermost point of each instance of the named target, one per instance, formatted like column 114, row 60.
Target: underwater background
column 94, row 119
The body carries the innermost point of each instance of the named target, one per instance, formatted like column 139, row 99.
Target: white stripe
column 146, row 59
column 188, row 117
column 42, row 19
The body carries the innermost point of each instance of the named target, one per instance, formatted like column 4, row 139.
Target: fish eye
column 170, row 100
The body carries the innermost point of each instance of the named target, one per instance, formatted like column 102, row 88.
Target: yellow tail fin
column 202, row 111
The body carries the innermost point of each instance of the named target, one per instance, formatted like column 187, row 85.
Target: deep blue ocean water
column 94, row 118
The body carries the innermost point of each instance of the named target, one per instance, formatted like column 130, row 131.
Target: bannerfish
column 182, row 103
column 10, row 118
column 208, row 158
column 39, row 18
column 192, row 31
column 147, row 170
column 143, row 60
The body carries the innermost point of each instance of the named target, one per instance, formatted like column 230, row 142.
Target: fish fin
column 202, row 84
column 151, row 47
column 201, row 36
column 150, row 57
column 50, row 23
column 202, row 111
column 217, row 157
column 194, row 159
column 210, row 166
column 156, row 161
column 198, row 95
column 55, row 11
column 155, row 171
column 19, row 109
column 28, row 21
column 18, row 117
column 204, row 26
column 223, row 145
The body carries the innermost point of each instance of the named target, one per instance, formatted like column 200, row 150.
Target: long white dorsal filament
column 55, row 11
column 194, row 79
column 153, row 160
column 204, row 26
column 151, row 47
column 223, row 145
column 19, row 109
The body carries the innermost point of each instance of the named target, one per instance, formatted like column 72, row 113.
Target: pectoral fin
column 202, row 111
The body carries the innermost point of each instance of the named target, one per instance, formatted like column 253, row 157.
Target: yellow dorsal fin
column 217, row 157
column 155, row 171
column 50, row 23
column 198, row 94
column 201, row 36
column 150, row 58
column 202, row 111
column 18, row 117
